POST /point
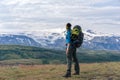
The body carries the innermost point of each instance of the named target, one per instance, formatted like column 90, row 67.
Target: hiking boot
column 75, row 73
column 67, row 75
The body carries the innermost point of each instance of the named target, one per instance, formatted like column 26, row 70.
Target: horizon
column 56, row 30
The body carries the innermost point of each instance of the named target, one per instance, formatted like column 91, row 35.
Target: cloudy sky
column 33, row 15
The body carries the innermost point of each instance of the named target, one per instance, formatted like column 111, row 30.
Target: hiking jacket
column 68, row 36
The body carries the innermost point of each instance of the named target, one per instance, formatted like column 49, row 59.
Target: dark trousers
column 72, row 57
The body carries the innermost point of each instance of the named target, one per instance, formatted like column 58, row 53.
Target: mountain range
column 56, row 40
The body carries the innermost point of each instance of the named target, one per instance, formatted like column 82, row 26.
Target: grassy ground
column 94, row 71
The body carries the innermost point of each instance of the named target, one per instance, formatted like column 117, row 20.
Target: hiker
column 74, row 40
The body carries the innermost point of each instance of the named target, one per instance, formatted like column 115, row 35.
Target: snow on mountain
column 92, row 39
column 55, row 38
column 101, row 41
column 12, row 39
column 47, row 39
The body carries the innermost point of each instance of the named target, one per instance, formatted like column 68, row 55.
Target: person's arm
column 67, row 50
column 68, row 41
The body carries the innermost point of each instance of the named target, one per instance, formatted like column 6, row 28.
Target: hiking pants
column 72, row 57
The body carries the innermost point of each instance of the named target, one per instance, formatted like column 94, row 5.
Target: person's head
column 68, row 26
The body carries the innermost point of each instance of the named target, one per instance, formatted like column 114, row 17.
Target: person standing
column 74, row 39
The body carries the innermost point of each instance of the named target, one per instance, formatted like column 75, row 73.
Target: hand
column 67, row 51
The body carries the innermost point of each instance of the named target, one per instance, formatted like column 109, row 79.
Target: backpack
column 77, row 36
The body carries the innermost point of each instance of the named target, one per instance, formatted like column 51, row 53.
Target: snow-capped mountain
column 48, row 39
column 11, row 39
column 101, row 41
column 56, row 39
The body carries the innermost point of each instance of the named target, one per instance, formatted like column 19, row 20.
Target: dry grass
column 95, row 71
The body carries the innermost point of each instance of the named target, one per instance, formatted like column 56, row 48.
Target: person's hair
column 68, row 25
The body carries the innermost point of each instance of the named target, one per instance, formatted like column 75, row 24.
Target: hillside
column 14, row 54
column 94, row 71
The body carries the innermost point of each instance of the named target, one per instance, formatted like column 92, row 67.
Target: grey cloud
column 108, row 3
column 55, row 13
